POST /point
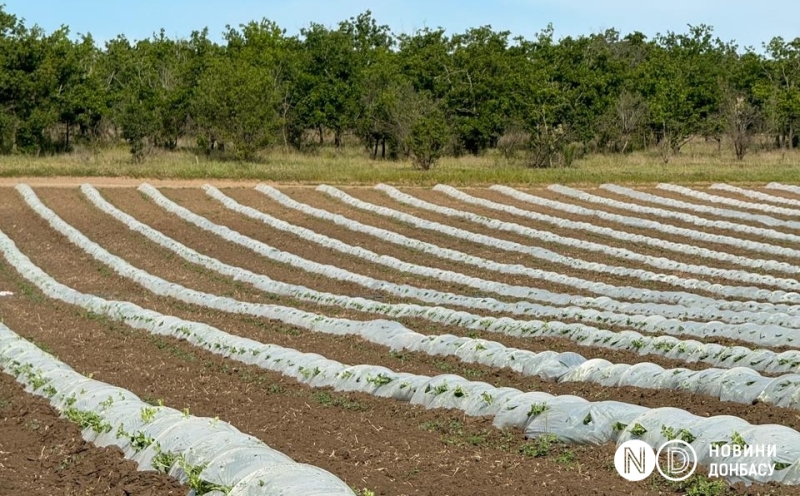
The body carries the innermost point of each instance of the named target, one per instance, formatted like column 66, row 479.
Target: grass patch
column 539, row 447
column 698, row 161
column 326, row 398
column 172, row 349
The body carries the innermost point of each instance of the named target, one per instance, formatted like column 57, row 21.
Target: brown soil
column 697, row 201
column 686, row 199
column 322, row 200
column 386, row 446
column 43, row 454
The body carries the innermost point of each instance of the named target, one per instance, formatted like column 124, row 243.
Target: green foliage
column 427, row 138
column 537, row 409
column 421, row 96
column 87, row 419
column 539, row 447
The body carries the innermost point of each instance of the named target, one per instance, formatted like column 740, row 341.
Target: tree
column 679, row 80
column 780, row 91
column 241, row 95
column 428, row 132
column 741, row 118
column 328, row 82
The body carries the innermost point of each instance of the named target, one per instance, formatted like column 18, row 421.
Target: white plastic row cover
column 227, row 457
column 706, row 209
column 648, row 224
column 724, row 200
column 757, row 195
column 536, row 412
column 767, row 314
column 689, row 351
column 664, row 244
column 739, row 276
column 596, row 287
column 549, row 365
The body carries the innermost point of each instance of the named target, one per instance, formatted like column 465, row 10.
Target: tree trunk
column 321, row 136
column 383, row 148
column 375, row 152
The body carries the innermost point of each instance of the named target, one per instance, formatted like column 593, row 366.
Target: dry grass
column 699, row 162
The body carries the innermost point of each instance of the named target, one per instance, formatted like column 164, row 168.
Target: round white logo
column 635, row 460
column 676, row 460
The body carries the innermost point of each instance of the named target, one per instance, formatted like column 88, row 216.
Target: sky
column 748, row 23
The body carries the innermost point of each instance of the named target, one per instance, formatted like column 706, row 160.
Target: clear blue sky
column 746, row 21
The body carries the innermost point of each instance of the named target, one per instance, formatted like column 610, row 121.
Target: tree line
column 418, row 96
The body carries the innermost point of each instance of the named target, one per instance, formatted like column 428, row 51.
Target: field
column 416, row 341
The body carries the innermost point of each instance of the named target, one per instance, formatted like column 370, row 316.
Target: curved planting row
column 706, row 209
column 536, row 412
column 689, row 351
column 767, row 264
column 757, row 195
column 784, row 187
column 659, row 262
column 724, row 200
column 743, row 385
column 621, row 292
column 210, row 455
column 765, row 314
column 641, row 223
column 648, row 224
column 727, row 357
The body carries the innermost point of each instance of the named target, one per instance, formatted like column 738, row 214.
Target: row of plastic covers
column 660, row 262
column 162, row 438
column 714, row 310
column 570, row 418
column 648, row 224
column 784, row 187
column 724, row 200
column 687, row 249
column 733, row 385
column 689, row 351
column 757, row 195
column 644, row 223
column 486, row 352
column 623, row 292
column 707, row 209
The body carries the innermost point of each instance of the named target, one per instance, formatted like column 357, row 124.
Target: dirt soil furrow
column 42, row 453
column 689, row 225
column 322, row 200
